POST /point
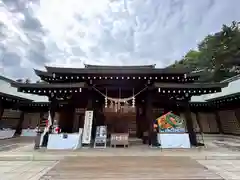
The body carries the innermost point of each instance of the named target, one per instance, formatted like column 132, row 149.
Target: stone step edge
column 57, row 157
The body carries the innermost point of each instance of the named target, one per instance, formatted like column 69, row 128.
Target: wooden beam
column 199, row 122
column 19, row 125
column 218, row 121
column 189, row 123
column 237, row 114
column 90, row 99
column 149, row 116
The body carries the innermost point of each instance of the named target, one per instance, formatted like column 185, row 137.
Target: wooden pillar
column 38, row 137
column 1, row 110
column 138, row 122
column 199, row 122
column 149, row 116
column 41, row 117
column 52, row 109
column 69, row 120
column 90, row 99
column 19, row 124
column 218, row 121
column 189, row 123
column 237, row 114
column 53, row 106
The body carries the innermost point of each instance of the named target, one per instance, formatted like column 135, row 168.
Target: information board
column 87, row 128
column 101, row 137
column 79, row 143
column 119, row 139
column 173, row 130
column 174, row 140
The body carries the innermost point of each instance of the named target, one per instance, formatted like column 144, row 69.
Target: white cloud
column 119, row 32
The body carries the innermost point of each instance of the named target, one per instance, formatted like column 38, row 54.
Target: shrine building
column 125, row 98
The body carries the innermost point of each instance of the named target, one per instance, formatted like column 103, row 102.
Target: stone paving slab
column 33, row 170
column 28, row 164
column 58, row 155
column 25, row 170
column 15, row 144
column 228, row 169
column 132, row 167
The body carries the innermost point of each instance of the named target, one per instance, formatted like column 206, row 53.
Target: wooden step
column 133, row 168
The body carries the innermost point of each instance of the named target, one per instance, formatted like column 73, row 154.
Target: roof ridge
column 4, row 78
column 231, row 79
column 119, row 66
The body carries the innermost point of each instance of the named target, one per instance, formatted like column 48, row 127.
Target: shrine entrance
column 120, row 116
column 121, row 123
column 120, row 112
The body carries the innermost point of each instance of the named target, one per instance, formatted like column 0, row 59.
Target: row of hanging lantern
column 54, row 77
column 186, row 91
column 9, row 99
column 123, row 77
column 70, row 90
column 128, row 78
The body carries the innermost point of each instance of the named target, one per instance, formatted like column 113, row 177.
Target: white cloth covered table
column 7, row 133
column 29, row 132
column 174, row 140
column 58, row 141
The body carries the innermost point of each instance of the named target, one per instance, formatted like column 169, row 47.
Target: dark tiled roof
column 88, row 66
column 46, row 86
column 42, row 73
column 14, row 97
column 117, row 70
column 190, row 85
column 6, row 79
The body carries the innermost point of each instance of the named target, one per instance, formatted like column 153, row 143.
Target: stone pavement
column 132, row 167
column 28, row 164
column 25, row 170
column 225, row 164
column 15, row 143
column 227, row 169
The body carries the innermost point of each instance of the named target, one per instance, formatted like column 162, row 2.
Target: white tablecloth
column 171, row 140
column 57, row 141
column 29, row 132
column 5, row 134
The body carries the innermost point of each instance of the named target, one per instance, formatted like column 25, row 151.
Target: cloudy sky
column 70, row 33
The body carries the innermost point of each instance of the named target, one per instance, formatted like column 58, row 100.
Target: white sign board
column 79, row 144
column 174, row 140
column 101, row 136
column 29, row 132
column 87, row 128
column 63, row 141
column 5, row 134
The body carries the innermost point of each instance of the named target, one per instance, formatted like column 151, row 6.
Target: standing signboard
column 101, row 137
column 87, row 128
column 119, row 139
column 79, row 143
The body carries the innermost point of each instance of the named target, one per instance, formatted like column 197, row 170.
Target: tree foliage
column 27, row 81
column 218, row 54
column 19, row 80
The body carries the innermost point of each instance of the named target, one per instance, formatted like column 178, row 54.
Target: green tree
column 218, row 52
column 19, row 80
column 27, row 81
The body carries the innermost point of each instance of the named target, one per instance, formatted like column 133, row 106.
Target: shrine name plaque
column 119, row 139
